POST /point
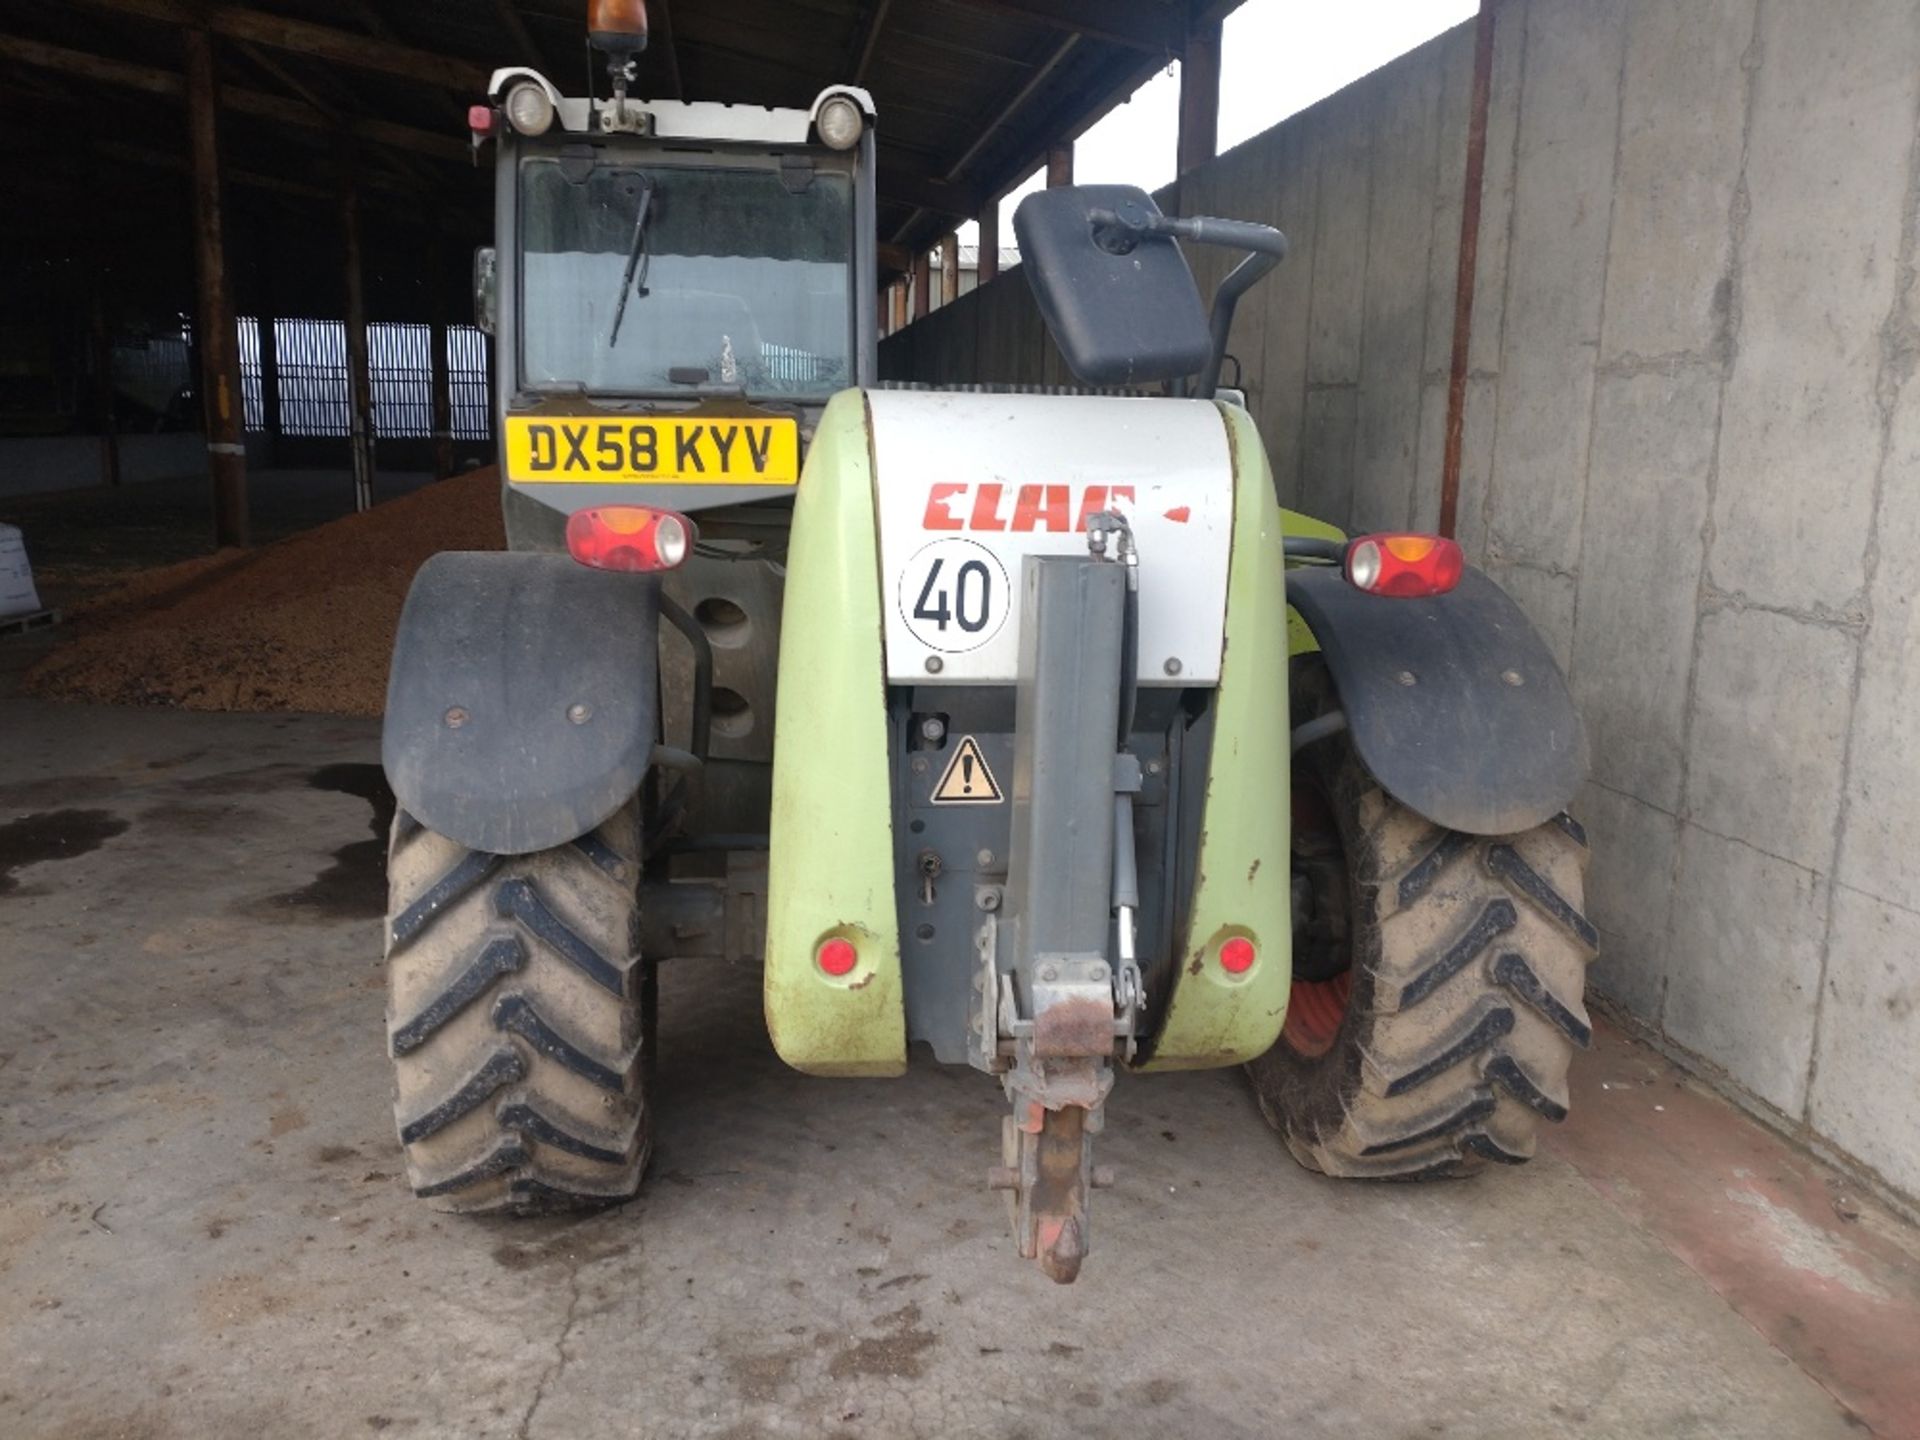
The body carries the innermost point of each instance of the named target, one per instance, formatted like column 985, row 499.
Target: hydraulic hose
column 1318, row 728
column 1129, row 655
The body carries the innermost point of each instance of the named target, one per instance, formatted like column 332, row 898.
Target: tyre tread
column 1419, row 877
column 520, row 899
column 470, row 871
column 1491, row 1022
column 500, row 955
column 1474, row 1006
column 1495, row 919
column 528, row 998
column 515, row 1013
column 1505, row 862
column 503, row 1067
column 1512, row 970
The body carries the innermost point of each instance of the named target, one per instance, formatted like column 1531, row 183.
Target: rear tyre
column 1438, row 991
column 519, row 1018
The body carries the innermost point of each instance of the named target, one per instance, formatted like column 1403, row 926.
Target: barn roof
column 970, row 94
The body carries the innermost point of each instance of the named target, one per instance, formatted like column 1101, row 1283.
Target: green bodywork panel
column 832, row 826
column 1241, row 884
column 1300, row 640
column 831, row 830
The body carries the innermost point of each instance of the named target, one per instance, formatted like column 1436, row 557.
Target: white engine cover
column 969, row 484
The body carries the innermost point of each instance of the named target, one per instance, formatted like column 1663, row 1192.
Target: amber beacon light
column 619, row 27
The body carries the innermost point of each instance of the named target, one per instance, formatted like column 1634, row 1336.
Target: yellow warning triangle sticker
column 967, row 780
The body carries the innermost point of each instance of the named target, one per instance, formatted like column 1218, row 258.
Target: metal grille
column 253, row 405
column 400, row 362
column 310, row 362
column 787, row 365
column 467, row 375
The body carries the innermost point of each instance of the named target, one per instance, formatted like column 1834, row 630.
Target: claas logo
column 1061, row 509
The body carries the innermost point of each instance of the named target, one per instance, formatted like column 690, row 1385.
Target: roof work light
column 529, row 108
column 840, row 123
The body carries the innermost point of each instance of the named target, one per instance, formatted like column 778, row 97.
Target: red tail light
column 628, row 537
column 1237, row 955
column 1404, row 565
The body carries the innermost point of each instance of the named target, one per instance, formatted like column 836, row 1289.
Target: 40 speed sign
column 954, row 595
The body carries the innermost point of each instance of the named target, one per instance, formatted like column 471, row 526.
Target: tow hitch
column 1059, row 995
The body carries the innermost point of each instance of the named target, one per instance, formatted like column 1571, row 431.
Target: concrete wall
column 1692, row 451
column 32, row 465
column 41, row 464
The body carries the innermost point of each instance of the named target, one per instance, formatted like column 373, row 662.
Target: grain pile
column 305, row 624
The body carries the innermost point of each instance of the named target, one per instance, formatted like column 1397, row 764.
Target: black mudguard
column 1432, row 704
column 523, row 702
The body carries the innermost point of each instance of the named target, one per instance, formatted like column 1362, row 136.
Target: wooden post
column 1199, row 98
column 898, row 300
column 359, row 376
column 1059, row 165
column 270, row 382
column 442, row 377
column 949, row 267
column 989, row 262
column 218, row 344
column 264, row 307
column 101, row 337
column 922, row 285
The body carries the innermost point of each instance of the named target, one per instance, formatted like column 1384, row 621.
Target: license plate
column 561, row 451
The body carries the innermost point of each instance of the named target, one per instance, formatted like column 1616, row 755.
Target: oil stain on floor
column 52, row 835
column 354, row 885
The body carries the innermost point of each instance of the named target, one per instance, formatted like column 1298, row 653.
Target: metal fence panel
column 310, row 363
column 470, row 382
column 400, row 359
column 253, row 403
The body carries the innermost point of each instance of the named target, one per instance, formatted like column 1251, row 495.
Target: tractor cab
column 677, row 290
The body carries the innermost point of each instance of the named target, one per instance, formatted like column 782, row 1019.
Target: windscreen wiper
column 636, row 258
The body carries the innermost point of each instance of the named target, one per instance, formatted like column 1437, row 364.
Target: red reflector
column 1237, row 955
column 480, row 119
column 1404, row 565
column 628, row 537
column 836, row 956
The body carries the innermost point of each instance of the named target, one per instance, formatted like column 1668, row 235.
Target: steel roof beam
column 515, row 24
column 866, row 38
column 303, row 37
column 1138, row 24
column 667, row 48
column 257, row 103
column 926, row 193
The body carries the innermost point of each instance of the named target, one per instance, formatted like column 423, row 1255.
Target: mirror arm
column 1269, row 247
column 1240, row 279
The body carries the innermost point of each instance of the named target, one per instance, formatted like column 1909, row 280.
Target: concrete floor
column 204, row 1230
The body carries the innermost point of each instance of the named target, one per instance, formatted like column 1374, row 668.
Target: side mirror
column 485, row 289
column 1120, row 303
